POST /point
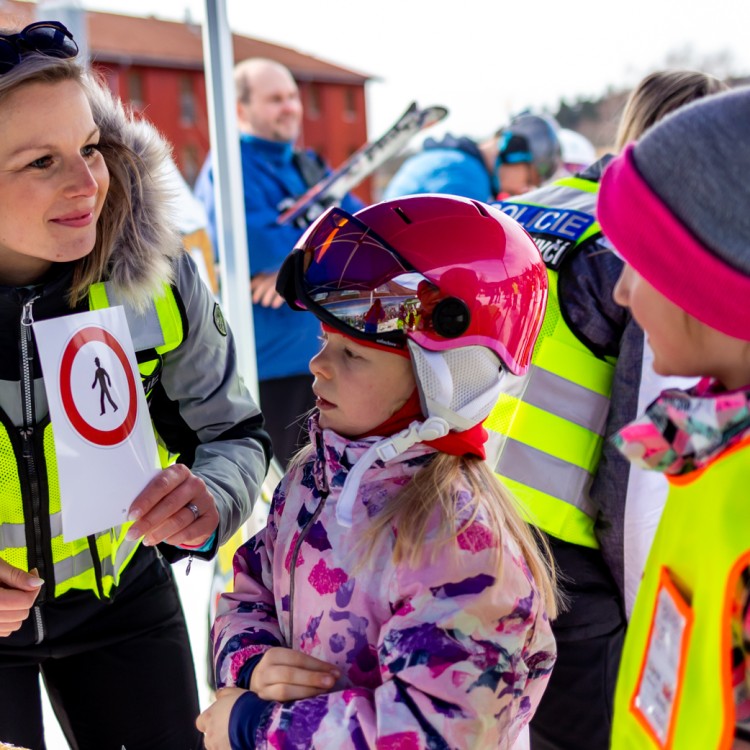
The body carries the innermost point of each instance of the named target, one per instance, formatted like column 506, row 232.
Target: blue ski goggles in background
column 351, row 279
column 49, row 38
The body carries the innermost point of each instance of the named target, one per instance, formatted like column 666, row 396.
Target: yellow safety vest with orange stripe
column 547, row 427
column 674, row 687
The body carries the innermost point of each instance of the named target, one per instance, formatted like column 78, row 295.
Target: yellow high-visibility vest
column 674, row 687
column 548, row 426
column 94, row 563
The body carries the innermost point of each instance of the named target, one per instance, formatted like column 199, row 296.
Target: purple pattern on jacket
column 446, row 654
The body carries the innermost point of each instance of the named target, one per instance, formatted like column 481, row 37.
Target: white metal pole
column 72, row 15
column 231, row 231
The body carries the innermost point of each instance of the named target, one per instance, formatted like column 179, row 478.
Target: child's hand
column 284, row 674
column 214, row 721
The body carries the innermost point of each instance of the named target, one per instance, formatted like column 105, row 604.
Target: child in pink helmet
column 395, row 598
column 674, row 206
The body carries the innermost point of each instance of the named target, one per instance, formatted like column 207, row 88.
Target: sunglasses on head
column 49, row 38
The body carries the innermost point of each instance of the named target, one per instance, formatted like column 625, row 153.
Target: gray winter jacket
column 197, row 401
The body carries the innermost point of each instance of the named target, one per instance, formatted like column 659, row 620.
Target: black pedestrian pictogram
column 101, row 376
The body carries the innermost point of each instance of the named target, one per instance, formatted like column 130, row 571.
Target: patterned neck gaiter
column 682, row 431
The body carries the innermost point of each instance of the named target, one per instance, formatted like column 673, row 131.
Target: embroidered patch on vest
column 219, row 322
column 556, row 231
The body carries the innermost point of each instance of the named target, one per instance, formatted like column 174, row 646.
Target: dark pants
column 575, row 712
column 123, row 678
column 286, row 404
column 576, row 709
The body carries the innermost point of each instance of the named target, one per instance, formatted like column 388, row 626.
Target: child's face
column 358, row 387
column 681, row 344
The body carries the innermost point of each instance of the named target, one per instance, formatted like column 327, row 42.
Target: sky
column 483, row 59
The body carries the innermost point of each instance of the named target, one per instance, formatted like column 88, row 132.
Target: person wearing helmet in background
column 577, row 152
column 547, row 432
column 514, row 160
column 395, row 597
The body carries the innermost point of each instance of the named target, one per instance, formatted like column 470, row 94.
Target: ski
column 360, row 164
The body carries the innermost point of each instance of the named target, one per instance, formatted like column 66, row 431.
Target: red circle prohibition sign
column 80, row 425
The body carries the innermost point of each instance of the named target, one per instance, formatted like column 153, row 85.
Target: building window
column 313, row 101
column 350, row 104
column 135, row 90
column 187, row 101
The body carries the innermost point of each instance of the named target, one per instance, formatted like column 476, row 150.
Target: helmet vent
column 400, row 213
column 480, row 207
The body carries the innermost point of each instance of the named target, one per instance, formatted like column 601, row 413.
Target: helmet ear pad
column 451, row 318
column 460, row 386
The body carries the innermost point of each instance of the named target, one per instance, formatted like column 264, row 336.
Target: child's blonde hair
column 432, row 489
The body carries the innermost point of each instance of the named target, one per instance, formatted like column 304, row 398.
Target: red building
column 157, row 67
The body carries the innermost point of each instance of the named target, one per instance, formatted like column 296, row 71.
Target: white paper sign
column 104, row 441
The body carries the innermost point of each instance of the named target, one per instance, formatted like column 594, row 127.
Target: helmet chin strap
column 448, row 408
column 385, row 450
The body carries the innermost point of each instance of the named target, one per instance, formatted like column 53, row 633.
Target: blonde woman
column 83, row 225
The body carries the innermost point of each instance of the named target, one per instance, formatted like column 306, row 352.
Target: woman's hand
column 18, row 592
column 175, row 507
column 284, row 674
column 214, row 721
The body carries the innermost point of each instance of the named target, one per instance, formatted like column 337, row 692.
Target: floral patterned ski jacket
column 445, row 655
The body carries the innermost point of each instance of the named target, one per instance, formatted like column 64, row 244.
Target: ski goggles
column 49, row 38
column 355, row 282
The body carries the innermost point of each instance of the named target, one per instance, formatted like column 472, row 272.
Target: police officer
column 548, row 430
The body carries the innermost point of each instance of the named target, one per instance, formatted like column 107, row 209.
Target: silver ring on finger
column 194, row 509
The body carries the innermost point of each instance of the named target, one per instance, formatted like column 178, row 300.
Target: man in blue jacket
column 269, row 114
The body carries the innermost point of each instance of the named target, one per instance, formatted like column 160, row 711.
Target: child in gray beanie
column 674, row 206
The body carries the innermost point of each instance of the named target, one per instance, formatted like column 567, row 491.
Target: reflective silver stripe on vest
column 559, row 396
column 73, row 566
column 123, row 551
column 14, row 534
column 144, row 325
column 544, row 473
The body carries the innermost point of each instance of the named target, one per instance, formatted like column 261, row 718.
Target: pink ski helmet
column 446, row 272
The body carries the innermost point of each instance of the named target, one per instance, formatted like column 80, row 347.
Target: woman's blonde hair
column 657, row 95
column 125, row 182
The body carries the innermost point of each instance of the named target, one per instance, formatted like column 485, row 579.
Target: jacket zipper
column 29, row 456
column 293, row 565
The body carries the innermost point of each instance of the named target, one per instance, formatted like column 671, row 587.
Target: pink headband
column 667, row 254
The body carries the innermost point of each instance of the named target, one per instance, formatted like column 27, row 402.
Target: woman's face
column 681, row 344
column 53, row 179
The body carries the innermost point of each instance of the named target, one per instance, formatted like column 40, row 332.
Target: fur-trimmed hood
column 143, row 254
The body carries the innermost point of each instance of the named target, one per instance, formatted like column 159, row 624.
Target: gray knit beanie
column 676, row 205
